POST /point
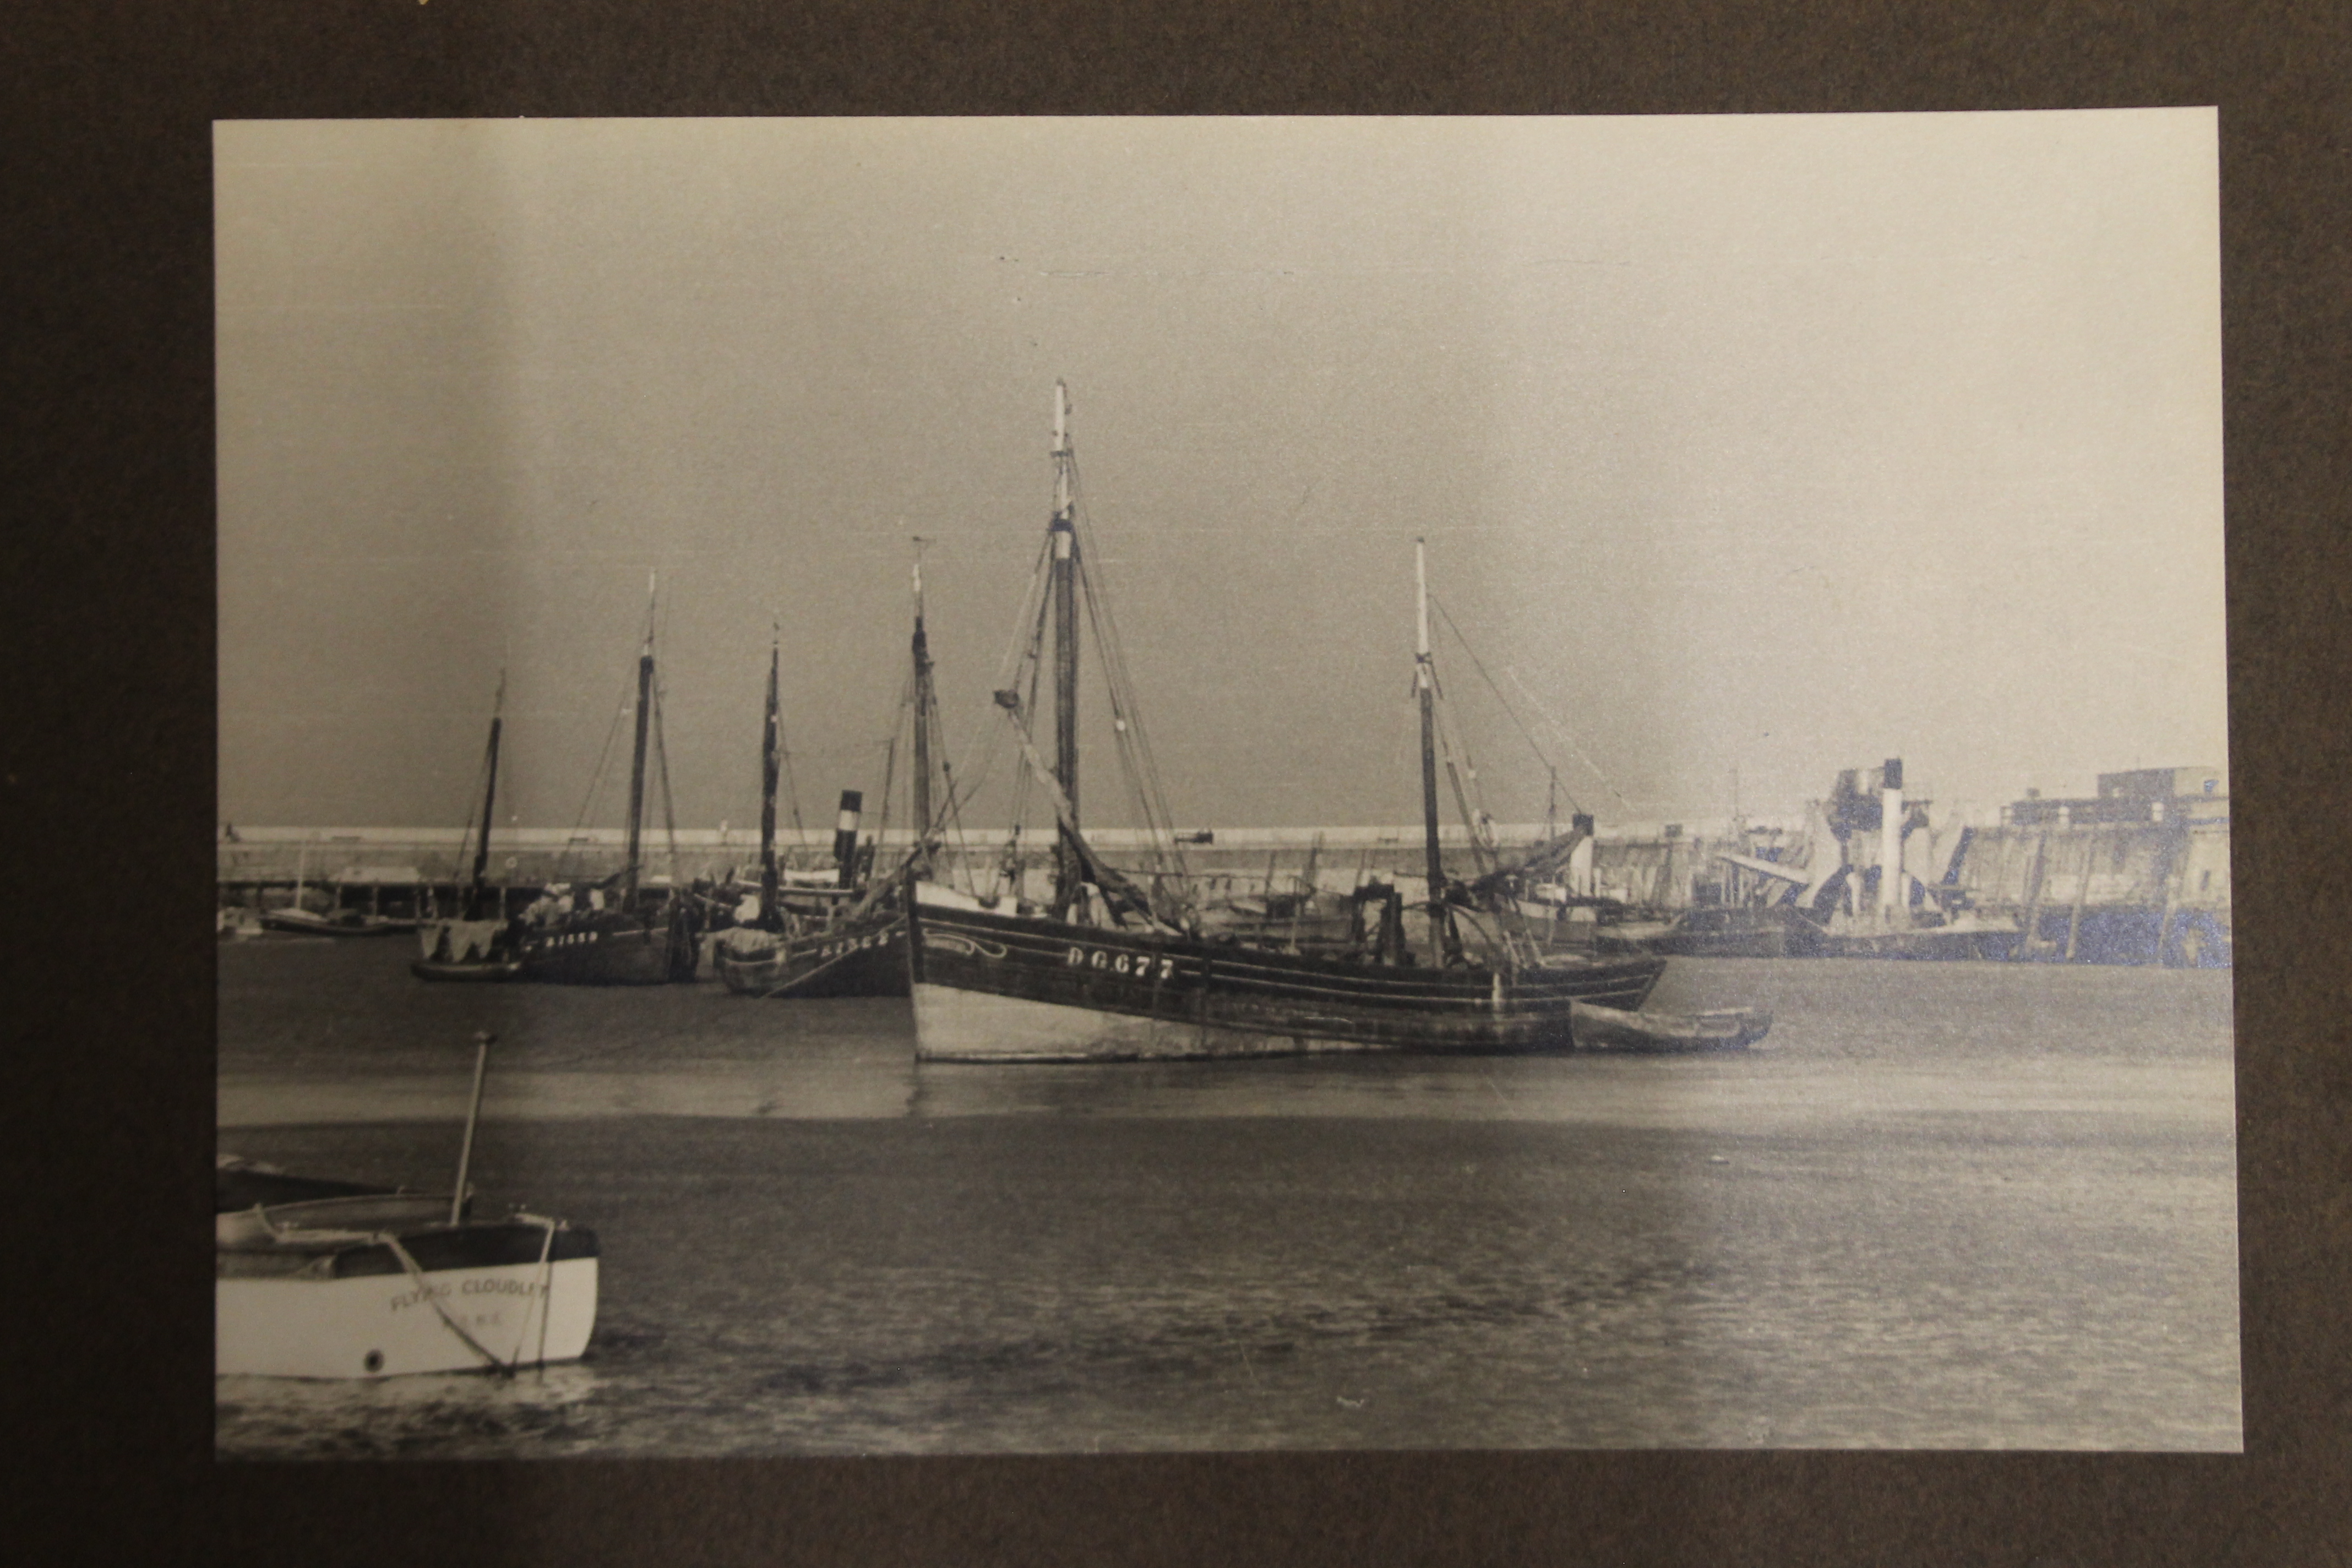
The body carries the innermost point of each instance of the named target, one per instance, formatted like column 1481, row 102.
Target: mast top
column 1061, row 418
column 652, row 598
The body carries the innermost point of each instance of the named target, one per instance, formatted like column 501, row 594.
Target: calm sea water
column 1945, row 1206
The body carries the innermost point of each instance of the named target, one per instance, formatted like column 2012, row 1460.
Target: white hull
column 957, row 1025
column 522, row 1314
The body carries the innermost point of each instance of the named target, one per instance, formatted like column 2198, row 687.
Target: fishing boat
column 340, row 917
column 323, row 1278
column 1110, row 972
column 479, row 942
column 855, row 945
column 623, row 929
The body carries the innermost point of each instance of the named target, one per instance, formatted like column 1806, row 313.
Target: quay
column 2134, row 873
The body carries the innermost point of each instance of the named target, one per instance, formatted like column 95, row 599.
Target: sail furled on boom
column 1124, row 898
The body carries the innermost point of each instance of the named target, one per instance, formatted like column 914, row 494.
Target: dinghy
column 322, row 1279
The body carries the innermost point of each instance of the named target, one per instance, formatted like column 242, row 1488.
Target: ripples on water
column 1950, row 1206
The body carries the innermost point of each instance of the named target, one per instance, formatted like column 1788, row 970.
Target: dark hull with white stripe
column 860, row 958
column 990, row 987
column 607, row 949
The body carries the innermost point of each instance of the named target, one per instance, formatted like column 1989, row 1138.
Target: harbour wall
column 1653, row 869
column 2035, row 871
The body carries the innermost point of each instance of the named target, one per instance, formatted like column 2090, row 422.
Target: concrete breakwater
column 2081, row 888
column 264, row 863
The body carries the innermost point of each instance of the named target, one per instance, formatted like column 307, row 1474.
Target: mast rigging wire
column 1508, row 711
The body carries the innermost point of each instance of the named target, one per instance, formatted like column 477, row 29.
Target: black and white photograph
column 1137, row 785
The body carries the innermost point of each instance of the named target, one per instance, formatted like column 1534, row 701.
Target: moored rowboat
column 376, row 1283
column 321, row 1279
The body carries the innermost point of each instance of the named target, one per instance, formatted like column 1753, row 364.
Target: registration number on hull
column 1142, row 965
column 856, row 944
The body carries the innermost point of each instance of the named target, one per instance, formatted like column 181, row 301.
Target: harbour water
column 1944, row 1205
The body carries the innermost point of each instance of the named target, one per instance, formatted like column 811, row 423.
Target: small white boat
column 341, row 917
column 341, row 922
column 335, row 1279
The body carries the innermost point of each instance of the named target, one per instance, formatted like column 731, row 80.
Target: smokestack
column 844, row 834
column 1890, row 841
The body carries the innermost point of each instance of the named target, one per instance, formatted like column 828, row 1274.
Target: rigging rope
column 595, row 798
column 1563, row 731
column 1508, row 711
column 1137, row 758
column 432, row 1298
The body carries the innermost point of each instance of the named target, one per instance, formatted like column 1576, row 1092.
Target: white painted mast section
column 1421, row 672
column 473, row 1118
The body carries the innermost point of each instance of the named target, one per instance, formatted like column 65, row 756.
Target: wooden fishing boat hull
column 606, row 950
column 863, row 958
column 1001, row 988
column 1600, row 1028
column 356, row 1311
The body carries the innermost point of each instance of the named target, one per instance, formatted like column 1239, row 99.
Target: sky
column 1747, row 449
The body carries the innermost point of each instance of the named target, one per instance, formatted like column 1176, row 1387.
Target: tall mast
column 1064, row 587
column 1442, row 944
column 771, row 745
column 922, row 654
column 489, row 804
column 637, row 756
